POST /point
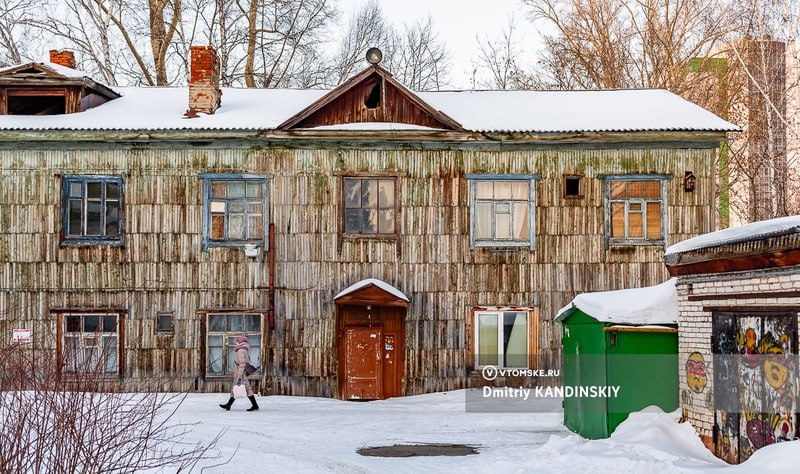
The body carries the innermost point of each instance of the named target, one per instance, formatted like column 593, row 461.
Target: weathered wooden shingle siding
column 162, row 266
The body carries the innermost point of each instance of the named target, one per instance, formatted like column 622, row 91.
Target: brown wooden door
column 363, row 365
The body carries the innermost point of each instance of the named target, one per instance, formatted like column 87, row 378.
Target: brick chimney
column 204, row 92
column 63, row 57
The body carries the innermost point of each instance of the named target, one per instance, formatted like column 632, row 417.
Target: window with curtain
column 501, row 338
column 90, row 343
column 221, row 332
column 635, row 211
column 502, row 211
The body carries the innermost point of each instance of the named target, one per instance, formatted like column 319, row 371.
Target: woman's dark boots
column 253, row 401
column 227, row 406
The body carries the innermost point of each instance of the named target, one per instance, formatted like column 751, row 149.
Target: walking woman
column 241, row 357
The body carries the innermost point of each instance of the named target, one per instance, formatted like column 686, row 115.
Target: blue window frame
column 92, row 211
column 235, row 210
column 636, row 209
column 502, row 210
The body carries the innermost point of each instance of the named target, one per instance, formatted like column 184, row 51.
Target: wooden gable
column 36, row 89
column 372, row 295
column 370, row 96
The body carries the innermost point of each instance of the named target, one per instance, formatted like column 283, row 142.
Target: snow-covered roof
column 743, row 233
column 155, row 108
column 575, row 111
column 368, row 282
column 641, row 306
column 56, row 68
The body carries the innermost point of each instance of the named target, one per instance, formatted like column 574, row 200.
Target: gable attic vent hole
column 373, row 99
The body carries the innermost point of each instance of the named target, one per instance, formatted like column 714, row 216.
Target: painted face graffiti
column 696, row 377
column 759, row 433
column 776, row 372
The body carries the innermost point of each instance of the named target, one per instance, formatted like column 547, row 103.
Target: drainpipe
column 271, row 313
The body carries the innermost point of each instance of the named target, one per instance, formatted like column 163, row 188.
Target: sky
column 459, row 23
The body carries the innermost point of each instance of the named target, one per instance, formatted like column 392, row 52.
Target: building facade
column 370, row 241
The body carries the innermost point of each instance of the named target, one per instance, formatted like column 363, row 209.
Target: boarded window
column 222, row 330
column 635, row 210
column 502, row 212
column 92, row 210
column 236, row 211
column 370, row 206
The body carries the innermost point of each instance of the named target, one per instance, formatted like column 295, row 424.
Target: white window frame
column 79, row 365
column 229, row 340
column 498, row 313
column 475, row 242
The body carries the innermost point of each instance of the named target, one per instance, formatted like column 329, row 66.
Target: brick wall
column 761, row 288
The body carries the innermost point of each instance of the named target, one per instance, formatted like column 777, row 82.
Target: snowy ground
column 301, row 434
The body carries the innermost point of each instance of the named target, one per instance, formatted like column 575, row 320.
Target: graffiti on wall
column 755, row 377
column 696, row 374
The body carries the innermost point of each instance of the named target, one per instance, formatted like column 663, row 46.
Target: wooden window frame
column 164, row 331
column 61, row 321
column 577, row 177
column 635, row 241
column 229, row 338
column 530, row 242
column 342, row 206
column 472, row 334
column 208, row 181
column 83, row 240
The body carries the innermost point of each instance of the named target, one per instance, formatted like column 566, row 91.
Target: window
column 635, row 213
column 91, row 342
column 370, row 206
column 235, row 210
column 503, row 211
column 165, row 322
column 92, row 210
column 223, row 329
column 502, row 338
column 573, row 186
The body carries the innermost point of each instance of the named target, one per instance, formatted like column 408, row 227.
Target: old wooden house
column 738, row 304
column 370, row 241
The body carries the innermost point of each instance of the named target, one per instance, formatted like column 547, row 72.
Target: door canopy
column 371, row 292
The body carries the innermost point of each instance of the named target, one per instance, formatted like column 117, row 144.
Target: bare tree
column 16, row 32
column 627, row 43
column 497, row 64
column 764, row 167
column 56, row 421
column 366, row 28
column 422, row 60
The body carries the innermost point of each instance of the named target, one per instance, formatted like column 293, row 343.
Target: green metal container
column 642, row 361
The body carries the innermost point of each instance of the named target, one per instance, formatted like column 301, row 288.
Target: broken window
column 235, row 210
column 92, row 210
